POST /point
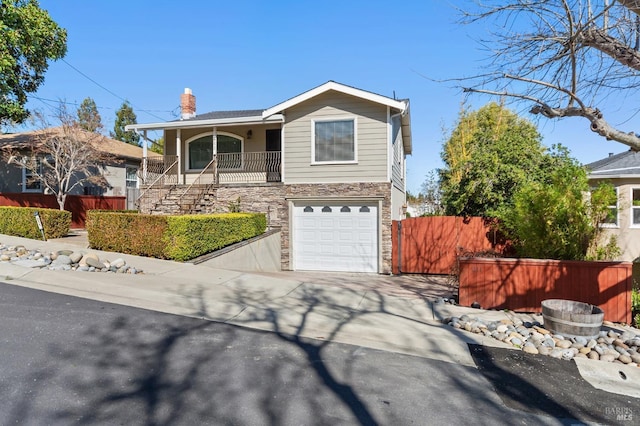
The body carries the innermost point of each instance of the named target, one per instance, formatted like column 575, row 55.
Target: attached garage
column 334, row 236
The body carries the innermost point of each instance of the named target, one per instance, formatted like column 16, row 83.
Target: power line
column 109, row 91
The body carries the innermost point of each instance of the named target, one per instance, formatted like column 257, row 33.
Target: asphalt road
column 66, row 360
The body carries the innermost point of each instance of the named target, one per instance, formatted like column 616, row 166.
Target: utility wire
column 109, row 91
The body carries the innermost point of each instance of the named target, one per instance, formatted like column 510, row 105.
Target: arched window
column 200, row 148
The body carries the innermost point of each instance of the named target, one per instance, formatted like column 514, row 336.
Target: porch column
column 144, row 156
column 178, row 152
column 215, row 141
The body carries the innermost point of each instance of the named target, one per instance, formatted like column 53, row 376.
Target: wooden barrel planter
column 572, row 319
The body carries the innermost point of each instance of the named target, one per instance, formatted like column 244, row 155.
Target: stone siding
column 273, row 199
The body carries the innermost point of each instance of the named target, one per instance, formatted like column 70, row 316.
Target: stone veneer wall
column 273, row 199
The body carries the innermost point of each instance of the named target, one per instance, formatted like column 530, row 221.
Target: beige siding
column 257, row 143
column 397, row 167
column 626, row 232
column 371, row 140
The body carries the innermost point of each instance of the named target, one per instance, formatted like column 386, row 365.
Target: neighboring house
column 119, row 174
column 326, row 166
column 623, row 171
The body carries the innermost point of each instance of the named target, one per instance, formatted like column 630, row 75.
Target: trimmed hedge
column 191, row 236
column 170, row 237
column 127, row 232
column 20, row 222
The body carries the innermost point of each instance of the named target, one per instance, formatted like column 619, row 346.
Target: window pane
column 612, row 216
column 200, row 152
column 636, row 197
column 636, row 216
column 229, row 144
column 334, row 141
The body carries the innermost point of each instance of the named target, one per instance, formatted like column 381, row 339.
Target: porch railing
column 248, row 167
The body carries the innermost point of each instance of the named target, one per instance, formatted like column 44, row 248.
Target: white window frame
column 617, row 207
column 202, row 135
column 25, row 177
column 329, row 120
column 632, row 207
column 126, row 177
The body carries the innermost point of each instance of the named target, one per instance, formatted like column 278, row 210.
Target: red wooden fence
column 78, row 205
column 429, row 245
column 522, row 284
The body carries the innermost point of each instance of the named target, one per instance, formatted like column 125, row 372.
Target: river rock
column 75, row 257
column 593, row 355
column 584, row 350
column 625, row 359
column 65, row 252
column 530, row 349
column 563, row 344
column 95, row 263
column 607, row 358
column 502, row 328
column 119, row 263
column 62, row 259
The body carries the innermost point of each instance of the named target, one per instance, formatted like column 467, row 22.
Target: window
column 30, row 181
column 334, row 141
column 200, row 151
column 612, row 215
column 131, row 178
column 635, row 206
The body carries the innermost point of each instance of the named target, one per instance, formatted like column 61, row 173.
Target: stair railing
column 160, row 178
column 197, row 180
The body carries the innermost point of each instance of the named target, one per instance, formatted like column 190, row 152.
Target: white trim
column 616, row 170
column 202, row 135
column 617, row 207
column 220, row 122
column 632, row 207
column 332, row 85
column 24, row 182
column 389, row 145
column 330, row 120
column 282, row 138
column 629, row 176
column 179, row 152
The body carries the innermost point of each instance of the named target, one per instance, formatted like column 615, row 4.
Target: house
column 327, row 167
column 623, row 171
column 120, row 173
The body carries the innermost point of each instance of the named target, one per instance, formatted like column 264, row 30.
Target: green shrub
column 170, row 237
column 191, row 236
column 20, row 222
column 127, row 232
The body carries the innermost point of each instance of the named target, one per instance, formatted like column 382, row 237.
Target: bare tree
column 566, row 57
column 61, row 158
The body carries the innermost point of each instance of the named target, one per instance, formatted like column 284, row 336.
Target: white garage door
column 335, row 237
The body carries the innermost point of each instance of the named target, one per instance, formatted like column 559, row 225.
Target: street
column 66, row 360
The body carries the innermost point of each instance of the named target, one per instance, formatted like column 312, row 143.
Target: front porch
column 166, row 188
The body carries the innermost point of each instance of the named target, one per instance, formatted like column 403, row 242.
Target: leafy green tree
column 490, row 153
column 88, row 116
column 29, row 39
column 553, row 219
column 158, row 146
column 124, row 117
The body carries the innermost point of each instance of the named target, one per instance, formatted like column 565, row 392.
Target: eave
column 218, row 122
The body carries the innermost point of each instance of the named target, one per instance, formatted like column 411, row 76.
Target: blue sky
column 255, row 54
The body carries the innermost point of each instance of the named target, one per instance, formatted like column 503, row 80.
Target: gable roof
column 625, row 164
column 274, row 113
column 104, row 144
column 401, row 105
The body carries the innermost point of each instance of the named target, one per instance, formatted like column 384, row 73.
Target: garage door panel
column 335, row 237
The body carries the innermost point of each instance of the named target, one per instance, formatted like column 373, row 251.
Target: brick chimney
column 187, row 105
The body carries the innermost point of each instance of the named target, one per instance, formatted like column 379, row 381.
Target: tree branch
column 598, row 124
column 611, row 46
